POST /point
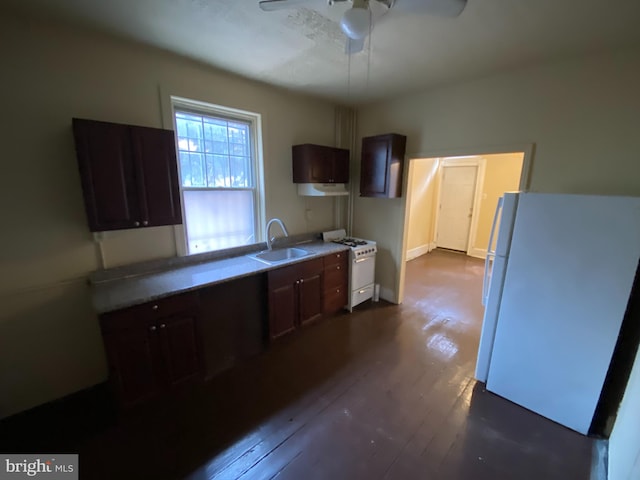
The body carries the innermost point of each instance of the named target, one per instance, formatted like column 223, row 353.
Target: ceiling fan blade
column 354, row 46
column 271, row 5
column 440, row 8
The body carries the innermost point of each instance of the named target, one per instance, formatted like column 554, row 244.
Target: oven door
column 363, row 272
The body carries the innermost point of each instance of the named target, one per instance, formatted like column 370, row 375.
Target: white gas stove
column 361, row 266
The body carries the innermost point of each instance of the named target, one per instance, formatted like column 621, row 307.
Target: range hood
column 322, row 189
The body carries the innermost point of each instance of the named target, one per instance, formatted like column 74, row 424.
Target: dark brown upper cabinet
column 129, row 175
column 320, row 164
column 381, row 167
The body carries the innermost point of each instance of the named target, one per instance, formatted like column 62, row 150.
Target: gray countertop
column 121, row 293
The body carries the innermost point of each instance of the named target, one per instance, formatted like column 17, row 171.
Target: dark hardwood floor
column 384, row 393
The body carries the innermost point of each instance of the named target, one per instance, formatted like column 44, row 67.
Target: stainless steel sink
column 272, row 257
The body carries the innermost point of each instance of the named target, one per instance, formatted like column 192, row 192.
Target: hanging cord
column 349, row 70
column 369, row 50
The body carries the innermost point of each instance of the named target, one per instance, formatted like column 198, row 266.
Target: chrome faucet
column 271, row 239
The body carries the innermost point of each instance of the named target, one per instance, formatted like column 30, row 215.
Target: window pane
column 196, row 163
column 215, row 152
column 239, row 170
column 185, row 169
column 217, row 219
column 230, row 165
column 221, row 169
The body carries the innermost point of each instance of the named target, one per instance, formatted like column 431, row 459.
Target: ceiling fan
column 357, row 22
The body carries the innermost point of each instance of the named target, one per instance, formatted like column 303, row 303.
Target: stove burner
column 350, row 242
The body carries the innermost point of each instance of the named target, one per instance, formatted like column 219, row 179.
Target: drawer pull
column 155, row 307
column 163, row 325
column 152, row 328
column 338, row 267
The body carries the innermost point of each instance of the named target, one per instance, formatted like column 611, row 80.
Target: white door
column 457, row 192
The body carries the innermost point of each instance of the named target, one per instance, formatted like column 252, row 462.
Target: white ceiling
column 303, row 48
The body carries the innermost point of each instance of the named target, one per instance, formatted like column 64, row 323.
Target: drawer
column 289, row 274
column 334, row 258
column 360, row 295
column 335, row 299
column 148, row 312
column 336, row 275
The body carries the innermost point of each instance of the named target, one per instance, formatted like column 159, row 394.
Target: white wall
column 581, row 114
column 50, row 344
column 624, row 443
column 420, row 222
column 501, row 174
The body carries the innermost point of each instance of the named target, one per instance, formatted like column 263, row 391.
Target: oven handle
column 364, row 259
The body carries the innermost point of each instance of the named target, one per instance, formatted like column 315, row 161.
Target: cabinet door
column 282, row 309
column 157, row 175
column 107, row 173
column 320, row 164
column 134, row 364
column 374, row 174
column 310, row 297
column 311, row 164
column 381, row 166
column 180, row 348
column 340, row 165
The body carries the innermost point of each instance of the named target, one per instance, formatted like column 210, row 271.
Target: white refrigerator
column 561, row 274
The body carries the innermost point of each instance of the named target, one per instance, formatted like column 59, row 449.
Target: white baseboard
column 478, row 253
column 418, row 251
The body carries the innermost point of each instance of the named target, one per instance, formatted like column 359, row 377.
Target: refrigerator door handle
column 491, row 253
column 496, row 216
column 488, row 266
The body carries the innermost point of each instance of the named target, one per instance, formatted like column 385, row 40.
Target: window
column 220, row 181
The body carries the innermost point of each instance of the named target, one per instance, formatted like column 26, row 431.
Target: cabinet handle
column 163, row 325
column 302, row 280
column 297, row 282
column 337, row 290
column 338, row 267
column 338, row 255
column 136, row 224
column 152, row 328
column 155, row 307
column 145, row 223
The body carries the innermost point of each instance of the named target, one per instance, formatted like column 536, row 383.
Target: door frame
column 471, row 161
column 528, row 149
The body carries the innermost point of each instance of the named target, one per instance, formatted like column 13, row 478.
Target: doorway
column 424, row 222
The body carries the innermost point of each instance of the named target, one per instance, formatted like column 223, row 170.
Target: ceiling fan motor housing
column 356, row 22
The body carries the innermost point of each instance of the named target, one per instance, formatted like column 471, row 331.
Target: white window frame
column 255, row 127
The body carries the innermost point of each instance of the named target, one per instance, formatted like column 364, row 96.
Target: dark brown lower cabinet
column 234, row 317
column 152, row 348
column 295, row 296
column 336, row 282
column 159, row 346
